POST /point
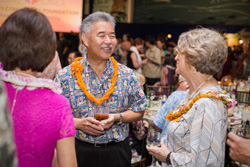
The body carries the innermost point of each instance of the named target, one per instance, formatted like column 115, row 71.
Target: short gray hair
column 86, row 26
column 204, row 49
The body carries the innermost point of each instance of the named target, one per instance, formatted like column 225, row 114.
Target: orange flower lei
column 176, row 114
column 77, row 68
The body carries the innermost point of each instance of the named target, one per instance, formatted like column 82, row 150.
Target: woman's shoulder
column 57, row 100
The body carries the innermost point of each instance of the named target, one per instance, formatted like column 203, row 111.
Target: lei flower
column 176, row 114
column 77, row 68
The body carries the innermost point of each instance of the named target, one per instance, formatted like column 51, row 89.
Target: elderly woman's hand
column 160, row 153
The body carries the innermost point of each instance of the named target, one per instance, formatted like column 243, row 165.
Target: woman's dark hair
column 27, row 41
column 150, row 39
column 169, row 61
column 139, row 41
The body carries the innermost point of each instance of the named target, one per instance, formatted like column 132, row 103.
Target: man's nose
column 107, row 39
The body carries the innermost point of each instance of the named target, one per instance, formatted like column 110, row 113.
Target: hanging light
column 169, row 36
column 241, row 41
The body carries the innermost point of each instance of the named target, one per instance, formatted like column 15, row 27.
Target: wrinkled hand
column 239, row 148
column 106, row 124
column 89, row 125
column 160, row 153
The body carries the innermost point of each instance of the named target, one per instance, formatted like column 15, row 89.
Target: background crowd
column 53, row 122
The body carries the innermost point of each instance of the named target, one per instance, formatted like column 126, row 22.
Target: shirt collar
column 108, row 70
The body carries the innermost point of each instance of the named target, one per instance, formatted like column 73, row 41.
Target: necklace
column 14, row 102
column 196, row 90
column 77, row 68
column 176, row 114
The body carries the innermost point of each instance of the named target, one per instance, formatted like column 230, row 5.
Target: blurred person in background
column 161, row 45
column 152, row 70
column 160, row 122
column 196, row 132
column 62, row 48
column 42, row 118
column 72, row 56
column 167, row 76
column 133, row 60
column 7, row 145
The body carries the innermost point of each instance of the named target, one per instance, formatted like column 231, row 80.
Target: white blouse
column 198, row 138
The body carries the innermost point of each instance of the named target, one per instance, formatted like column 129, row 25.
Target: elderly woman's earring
column 194, row 70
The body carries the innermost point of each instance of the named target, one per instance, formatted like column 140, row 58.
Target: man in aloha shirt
column 100, row 144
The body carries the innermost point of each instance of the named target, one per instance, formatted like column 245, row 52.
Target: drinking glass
column 152, row 95
column 101, row 112
column 153, row 139
column 242, row 130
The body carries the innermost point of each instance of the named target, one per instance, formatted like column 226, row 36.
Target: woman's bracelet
column 168, row 159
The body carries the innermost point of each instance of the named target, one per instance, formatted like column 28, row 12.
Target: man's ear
column 85, row 39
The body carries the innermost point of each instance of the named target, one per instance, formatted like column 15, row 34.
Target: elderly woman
column 196, row 132
column 42, row 118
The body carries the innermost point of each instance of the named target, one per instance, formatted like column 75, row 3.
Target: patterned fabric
column 40, row 118
column 137, row 133
column 138, row 129
column 7, row 146
column 51, row 70
column 128, row 94
column 151, row 70
column 198, row 138
column 171, row 103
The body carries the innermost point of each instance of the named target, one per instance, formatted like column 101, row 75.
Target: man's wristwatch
column 120, row 121
column 168, row 159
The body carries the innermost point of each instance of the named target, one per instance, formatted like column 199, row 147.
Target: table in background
column 155, row 107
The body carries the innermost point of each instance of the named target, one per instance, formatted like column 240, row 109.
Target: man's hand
column 89, row 125
column 239, row 148
column 106, row 124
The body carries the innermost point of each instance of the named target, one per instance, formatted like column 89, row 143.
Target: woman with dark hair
column 42, row 118
column 167, row 75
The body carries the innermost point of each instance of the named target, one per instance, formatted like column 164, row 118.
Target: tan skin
column 239, row 148
column 100, row 44
column 65, row 155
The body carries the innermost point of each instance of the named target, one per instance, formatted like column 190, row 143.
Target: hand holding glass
column 153, row 139
column 101, row 112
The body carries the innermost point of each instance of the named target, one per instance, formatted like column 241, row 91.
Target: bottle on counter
column 148, row 97
column 164, row 98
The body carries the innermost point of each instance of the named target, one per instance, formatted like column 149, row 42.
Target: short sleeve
column 137, row 97
column 67, row 128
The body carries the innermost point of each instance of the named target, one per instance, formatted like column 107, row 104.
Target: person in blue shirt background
column 160, row 122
